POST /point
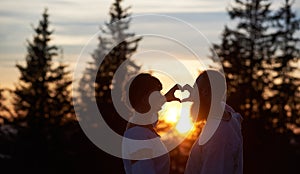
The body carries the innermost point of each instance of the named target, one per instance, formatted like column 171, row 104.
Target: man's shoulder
column 139, row 133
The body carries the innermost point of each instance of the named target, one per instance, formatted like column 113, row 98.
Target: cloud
column 159, row 6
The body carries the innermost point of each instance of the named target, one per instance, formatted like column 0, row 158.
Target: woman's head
column 211, row 86
column 140, row 89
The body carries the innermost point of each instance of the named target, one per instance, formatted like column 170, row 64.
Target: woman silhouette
column 219, row 149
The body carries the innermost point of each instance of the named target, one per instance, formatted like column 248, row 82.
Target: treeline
column 260, row 56
column 40, row 132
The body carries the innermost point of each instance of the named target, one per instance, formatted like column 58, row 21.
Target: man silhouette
column 143, row 151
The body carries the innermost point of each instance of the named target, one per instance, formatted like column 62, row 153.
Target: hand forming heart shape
column 170, row 95
column 190, row 89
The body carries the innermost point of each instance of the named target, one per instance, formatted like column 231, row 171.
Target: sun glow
column 178, row 115
column 184, row 124
column 171, row 114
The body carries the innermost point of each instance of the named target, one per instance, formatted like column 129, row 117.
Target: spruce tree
column 32, row 94
column 40, row 85
column 258, row 56
column 244, row 51
column 285, row 103
column 116, row 45
column 120, row 45
column 41, row 102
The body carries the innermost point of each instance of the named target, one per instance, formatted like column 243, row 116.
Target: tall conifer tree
column 244, row 51
column 285, row 103
column 37, row 93
column 116, row 45
column 42, row 101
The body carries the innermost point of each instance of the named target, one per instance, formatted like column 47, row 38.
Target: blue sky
column 76, row 21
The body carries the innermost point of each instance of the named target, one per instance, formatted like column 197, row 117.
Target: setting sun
column 178, row 115
column 184, row 124
column 171, row 114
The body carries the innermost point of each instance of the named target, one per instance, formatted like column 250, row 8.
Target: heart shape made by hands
column 190, row 89
column 179, row 93
column 182, row 94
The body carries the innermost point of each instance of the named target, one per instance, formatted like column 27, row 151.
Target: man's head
column 211, row 86
column 140, row 89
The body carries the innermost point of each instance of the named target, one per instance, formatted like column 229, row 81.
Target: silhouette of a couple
column 219, row 148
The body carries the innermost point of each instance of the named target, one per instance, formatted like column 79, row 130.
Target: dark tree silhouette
column 244, row 51
column 116, row 45
column 41, row 84
column 257, row 57
column 285, row 103
column 42, row 104
column 122, row 45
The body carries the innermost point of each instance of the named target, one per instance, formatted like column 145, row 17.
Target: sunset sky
column 76, row 21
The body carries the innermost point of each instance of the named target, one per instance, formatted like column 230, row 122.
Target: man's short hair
column 140, row 89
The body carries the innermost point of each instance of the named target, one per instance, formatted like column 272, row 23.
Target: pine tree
column 258, row 56
column 284, row 104
column 32, row 95
column 42, row 102
column 116, row 45
column 244, row 52
column 122, row 45
column 36, row 95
